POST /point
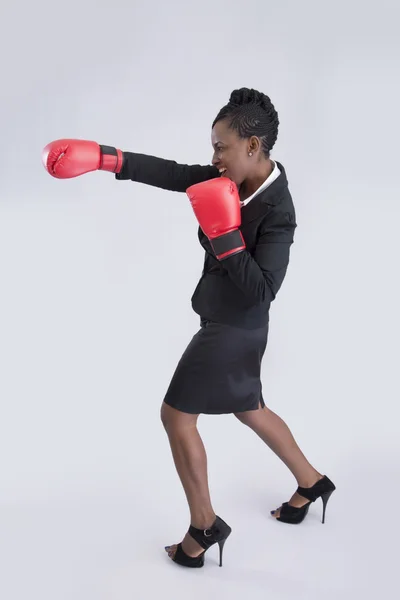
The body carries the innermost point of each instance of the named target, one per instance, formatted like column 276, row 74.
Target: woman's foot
column 189, row 545
column 296, row 500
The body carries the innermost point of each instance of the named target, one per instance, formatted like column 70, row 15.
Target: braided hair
column 250, row 112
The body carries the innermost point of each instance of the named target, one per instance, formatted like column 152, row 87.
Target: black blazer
column 238, row 290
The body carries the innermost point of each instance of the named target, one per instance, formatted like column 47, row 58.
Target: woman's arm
column 163, row 173
column 260, row 276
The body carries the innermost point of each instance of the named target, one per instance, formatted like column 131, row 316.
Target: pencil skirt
column 219, row 371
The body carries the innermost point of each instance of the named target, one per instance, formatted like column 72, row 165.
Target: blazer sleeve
column 163, row 173
column 260, row 276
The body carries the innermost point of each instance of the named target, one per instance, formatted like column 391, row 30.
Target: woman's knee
column 172, row 418
column 239, row 416
column 249, row 417
column 167, row 416
column 243, row 417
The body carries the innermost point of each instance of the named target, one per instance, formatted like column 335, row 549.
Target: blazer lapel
column 262, row 202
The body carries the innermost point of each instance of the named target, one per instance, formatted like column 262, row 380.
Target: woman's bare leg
column 277, row 435
column 191, row 464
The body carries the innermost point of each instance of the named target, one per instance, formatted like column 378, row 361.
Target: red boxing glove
column 216, row 204
column 67, row 158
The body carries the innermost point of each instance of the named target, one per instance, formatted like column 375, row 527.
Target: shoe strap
column 314, row 492
column 207, row 537
column 182, row 558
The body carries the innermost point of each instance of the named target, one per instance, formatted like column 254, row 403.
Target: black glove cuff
column 108, row 150
column 111, row 159
column 228, row 242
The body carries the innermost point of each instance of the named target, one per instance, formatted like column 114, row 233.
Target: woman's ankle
column 203, row 519
column 309, row 479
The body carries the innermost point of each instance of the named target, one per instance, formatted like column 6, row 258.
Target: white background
column 93, row 318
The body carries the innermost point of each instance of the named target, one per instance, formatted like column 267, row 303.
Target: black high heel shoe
column 218, row 533
column 323, row 489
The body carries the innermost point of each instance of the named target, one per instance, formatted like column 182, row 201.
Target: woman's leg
column 277, row 435
column 191, row 464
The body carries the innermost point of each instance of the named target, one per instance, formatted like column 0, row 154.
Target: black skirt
column 219, row 372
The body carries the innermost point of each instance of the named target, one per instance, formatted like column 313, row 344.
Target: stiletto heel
column 321, row 489
column 325, row 497
column 221, row 545
column 217, row 533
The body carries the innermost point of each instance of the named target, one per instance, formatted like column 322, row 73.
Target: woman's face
column 230, row 152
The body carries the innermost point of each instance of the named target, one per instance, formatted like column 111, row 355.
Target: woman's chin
column 229, row 176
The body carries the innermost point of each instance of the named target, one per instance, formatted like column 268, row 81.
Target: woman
column 247, row 222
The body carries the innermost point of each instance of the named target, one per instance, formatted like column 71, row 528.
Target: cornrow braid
column 250, row 112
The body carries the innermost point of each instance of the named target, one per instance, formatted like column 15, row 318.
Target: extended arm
column 66, row 158
column 163, row 173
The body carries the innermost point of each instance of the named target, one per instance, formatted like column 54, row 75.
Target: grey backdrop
column 93, row 319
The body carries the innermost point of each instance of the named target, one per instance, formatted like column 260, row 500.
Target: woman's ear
column 254, row 144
